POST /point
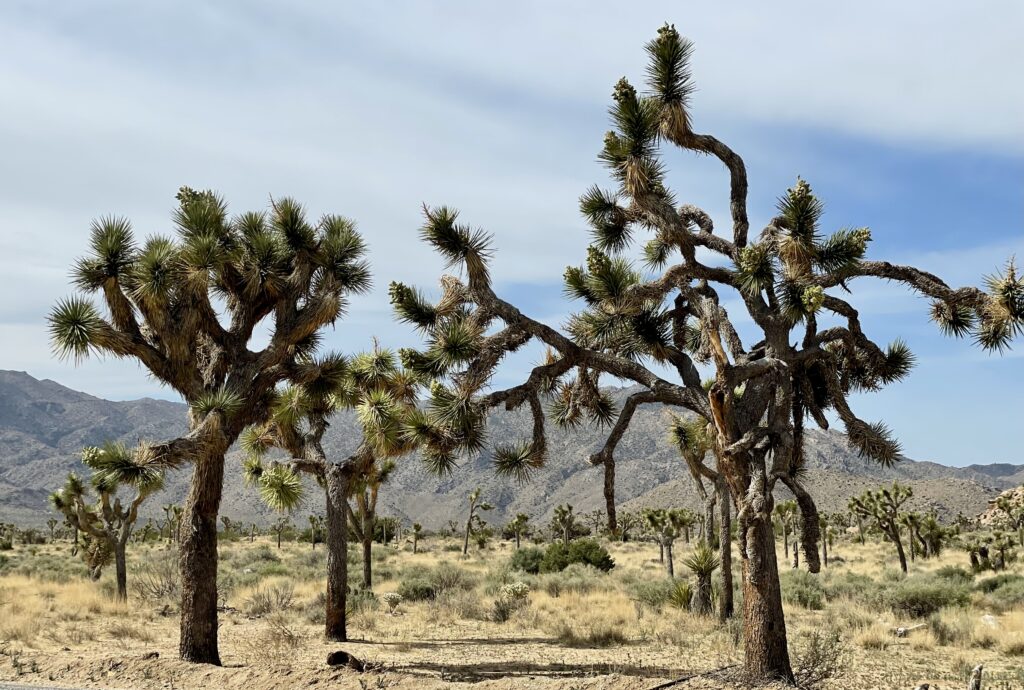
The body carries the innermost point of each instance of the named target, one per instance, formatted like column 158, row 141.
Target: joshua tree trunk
column 670, row 564
column 198, row 561
column 465, row 539
column 609, row 493
column 661, row 551
column 367, row 557
column 416, row 542
column 796, row 554
column 121, row 568
column 895, row 536
column 764, row 625
column 252, row 533
column 710, row 538
column 824, row 550
column 337, row 554
column 517, row 540
column 701, row 601
column 725, row 605
column 785, row 539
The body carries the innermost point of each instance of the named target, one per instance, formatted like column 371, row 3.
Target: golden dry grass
column 70, row 630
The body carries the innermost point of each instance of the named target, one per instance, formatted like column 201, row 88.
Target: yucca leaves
column 703, row 561
column 873, row 440
column 75, row 325
column 952, row 319
column 517, row 461
column 842, row 250
column 610, row 226
column 899, row 360
column 755, row 270
column 412, row 307
column 280, row 488
column 288, row 219
column 222, row 400
column 113, row 252
column 670, row 80
column 457, row 243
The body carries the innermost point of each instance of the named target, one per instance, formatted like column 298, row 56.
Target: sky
column 907, row 118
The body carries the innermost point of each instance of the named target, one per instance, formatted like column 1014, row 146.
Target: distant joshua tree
column 883, row 509
column 518, row 526
column 384, row 397
column 417, row 532
column 363, row 520
column 185, row 305
column 475, row 504
column 563, row 523
column 108, row 522
column 786, row 514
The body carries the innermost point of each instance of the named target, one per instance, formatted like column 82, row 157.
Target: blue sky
column 906, row 119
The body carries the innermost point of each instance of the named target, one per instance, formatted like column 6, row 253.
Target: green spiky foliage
column 120, row 485
column 473, row 521
column 185, row 305
column 793, row 277
column 563, row 523
column 785, row 516
column 518, row 527
column 883, row 508
column 703, row 561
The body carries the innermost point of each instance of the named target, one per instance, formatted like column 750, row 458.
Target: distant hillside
column 43, row 425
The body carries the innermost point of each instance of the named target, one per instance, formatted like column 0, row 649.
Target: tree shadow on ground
column 469, row 673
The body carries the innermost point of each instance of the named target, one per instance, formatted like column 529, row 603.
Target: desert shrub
column 264, row 600
column 991, row 584
column 950, row 632
column 447, row 577
column 594, row 633
column 511, row 598
column 803, row 589
column 527, row 559
column 359, row 601
column 1012, row 645
column 417, row 589
column 261, row 555
column 823, row 655
column 652, row 593
column 954, row 574
column 682, row 594
column 156, row 578
column 921, row 597
column 1007, row 596
column 558, row 557
column 849, row 585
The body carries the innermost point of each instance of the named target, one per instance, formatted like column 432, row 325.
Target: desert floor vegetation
column 438, row 619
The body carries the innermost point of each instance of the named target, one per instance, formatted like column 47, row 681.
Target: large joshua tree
column 384, row 398
column 109, row 520
column 634, row 328
column 185, row 306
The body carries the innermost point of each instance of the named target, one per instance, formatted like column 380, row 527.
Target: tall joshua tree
column 882, row 508
column 634, row 328
column 384, row 397
column 185, row 306
column 363, row 520
column 109, row 521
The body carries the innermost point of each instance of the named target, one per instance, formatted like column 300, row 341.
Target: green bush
column 558, row 557
column 954, row 574
column 681, row 594
column 417, row 589
column 847, row 585
column 1008, row 595
column 991, row 584
column 919, row 597
column 589, row 552
column 652, row 593
column 527, row 559
column 803, row 589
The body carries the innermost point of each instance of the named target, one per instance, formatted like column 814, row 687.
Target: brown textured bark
column 609, row 494
column 710, row 538
column 198, row 562
column 725, row 603
column 335, row 627
column 121, row 568
column 670, row 562
column 764, row 625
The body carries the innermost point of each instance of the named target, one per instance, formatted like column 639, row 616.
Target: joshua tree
column 636, row 330
column 665, row 525
column 108, row 521
column 627, row 522
column 826, row 538
column 594, row 519
column 384, row 397
column 687, row 520
column 693, row 438
column 564, row 523
column 882, row 508
column 280, row 526
column 363, row 520
column 702, row 563
column 417, row 530
column 518, row 526
column 316, row 528
column 786, row 513
column 1012, row 515
column 186, row 308
column 475, row 504
column 51, row 524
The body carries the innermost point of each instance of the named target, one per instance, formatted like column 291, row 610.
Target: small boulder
column 343, row 658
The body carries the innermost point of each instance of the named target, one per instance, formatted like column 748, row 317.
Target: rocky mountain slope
column 43, row 425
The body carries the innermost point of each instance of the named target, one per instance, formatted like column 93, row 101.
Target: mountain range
column 44, row 425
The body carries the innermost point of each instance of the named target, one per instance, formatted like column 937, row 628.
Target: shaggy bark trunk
column 710, row 538
column 465, row 540
column 517, row 541
column 197, row 561
column 367, row 560
column 725, row 603
column 416, row 542
column 337, row 555
column 121, row 568
column 824, row 550
column 670, row 563
column 766, row 655
column 661, row 551
column 609, row 494
column 796, row 554
column 785, row 540
column 894, row 534
column 701, row 601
